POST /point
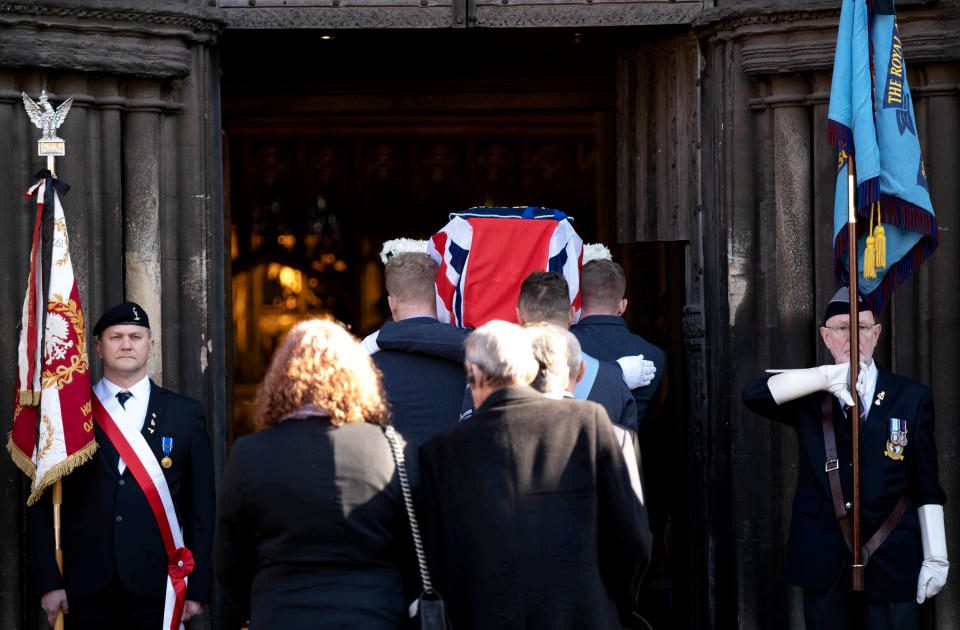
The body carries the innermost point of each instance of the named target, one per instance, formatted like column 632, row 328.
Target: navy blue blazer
column 107, row 525
column 424, row 391
column 607, row 338
column 816, row 552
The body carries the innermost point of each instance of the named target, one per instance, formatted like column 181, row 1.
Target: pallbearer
column 904, row 548
column 138, row 518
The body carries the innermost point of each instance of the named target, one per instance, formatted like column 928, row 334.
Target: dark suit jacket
column 611, row 393
column 312, row 530
column 528, row 516
column 446, row 341
column 607, row 338
column 424, row 391
column 107, row 524
column 816, row 552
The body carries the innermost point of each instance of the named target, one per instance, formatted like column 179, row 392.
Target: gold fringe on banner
column 23, row 462
column 29, row 398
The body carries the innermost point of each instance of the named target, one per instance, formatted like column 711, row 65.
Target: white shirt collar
column 140, row 389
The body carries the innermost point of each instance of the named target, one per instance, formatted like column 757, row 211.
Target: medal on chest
column 167, row 444
column 897, row 440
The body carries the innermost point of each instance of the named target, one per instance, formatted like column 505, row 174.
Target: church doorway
column 336, row 142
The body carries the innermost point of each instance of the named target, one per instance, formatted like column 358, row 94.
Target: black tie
column 123, row 397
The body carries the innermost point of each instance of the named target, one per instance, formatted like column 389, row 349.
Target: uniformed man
column 902, row 501
column 119, row 570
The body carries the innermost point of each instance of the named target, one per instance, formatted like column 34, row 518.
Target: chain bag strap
column 429, row 606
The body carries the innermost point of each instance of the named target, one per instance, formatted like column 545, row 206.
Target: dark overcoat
column 529, row 518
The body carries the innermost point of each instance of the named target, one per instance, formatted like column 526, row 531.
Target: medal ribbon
column 136, row 453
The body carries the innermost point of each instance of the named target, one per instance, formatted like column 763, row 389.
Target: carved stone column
column 144, row 212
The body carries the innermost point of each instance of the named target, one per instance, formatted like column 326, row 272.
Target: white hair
column 502, row 352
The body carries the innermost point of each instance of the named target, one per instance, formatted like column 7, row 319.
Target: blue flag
column 871, row 120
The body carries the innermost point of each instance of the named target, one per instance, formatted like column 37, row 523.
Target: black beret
column 839, row 304
column 126, row 313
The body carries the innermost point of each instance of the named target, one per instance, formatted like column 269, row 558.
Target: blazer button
column 121, row 482
column 848, row 505
column 119, row 518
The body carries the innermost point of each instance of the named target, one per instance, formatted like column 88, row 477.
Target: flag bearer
column 137, row 520
column 903, row 527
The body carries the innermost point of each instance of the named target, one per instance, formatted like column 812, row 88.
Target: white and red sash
column 143, row 465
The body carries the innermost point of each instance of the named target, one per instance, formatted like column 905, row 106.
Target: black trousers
column 114, row 608
column 836, row 608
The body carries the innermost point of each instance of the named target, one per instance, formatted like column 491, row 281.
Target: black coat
column 528, row 516
column 607, row 338
column 107, row 524
column 425, row 392
column 312, row 531
column 817, row 552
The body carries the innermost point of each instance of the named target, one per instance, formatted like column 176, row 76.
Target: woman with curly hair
column 311, row 527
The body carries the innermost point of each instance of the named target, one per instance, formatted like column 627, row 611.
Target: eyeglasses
column 844, row 330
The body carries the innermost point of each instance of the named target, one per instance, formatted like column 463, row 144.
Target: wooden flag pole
column 856, row 569
column 57, row 496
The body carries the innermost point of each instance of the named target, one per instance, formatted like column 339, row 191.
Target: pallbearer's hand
column 637, row 371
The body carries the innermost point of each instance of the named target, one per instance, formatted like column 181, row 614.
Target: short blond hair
column 410, row 278
column 319, row 363
column 502, row 352
column 602, row 285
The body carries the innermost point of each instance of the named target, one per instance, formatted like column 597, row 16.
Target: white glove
column 369, row 342
column 637, row 371
column 793, row 384
column 933, row 571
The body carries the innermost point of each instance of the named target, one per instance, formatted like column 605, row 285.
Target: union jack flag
column 485, row 253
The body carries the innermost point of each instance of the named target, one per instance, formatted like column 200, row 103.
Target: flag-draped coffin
column 485, row 253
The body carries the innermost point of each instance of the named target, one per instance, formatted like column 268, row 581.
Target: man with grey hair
column 425, row 391
column 527, row 510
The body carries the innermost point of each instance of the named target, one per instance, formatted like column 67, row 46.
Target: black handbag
column 431, row 612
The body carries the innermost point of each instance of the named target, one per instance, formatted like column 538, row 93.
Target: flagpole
column 856, row 569
column 56, row 496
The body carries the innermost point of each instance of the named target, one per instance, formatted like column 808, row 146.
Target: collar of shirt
column 423, row 315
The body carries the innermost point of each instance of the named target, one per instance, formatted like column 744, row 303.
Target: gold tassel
column 870, row 259
column 881, row 242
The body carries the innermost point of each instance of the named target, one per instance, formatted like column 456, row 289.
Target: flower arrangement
column 595, row 251
column 401, row 246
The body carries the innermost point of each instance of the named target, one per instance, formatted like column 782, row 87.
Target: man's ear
column 621, row 307
column 571, row 316
column 97, row 345
column 583, row 370
column 521, row 320
column 392, row 303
